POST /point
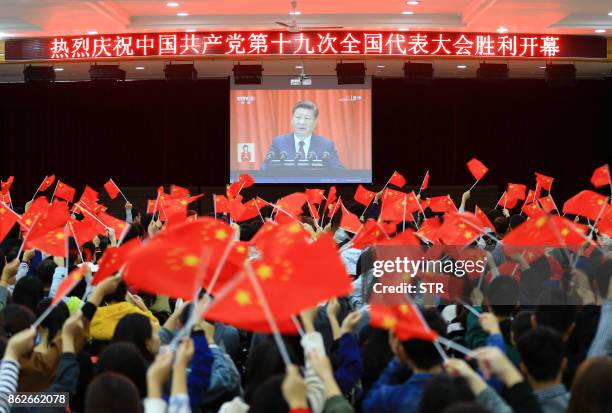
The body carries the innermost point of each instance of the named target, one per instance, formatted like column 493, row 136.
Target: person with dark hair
column 112, row 392
column 15, row 318
column 543, row 362
column 302, row 142
column 397, row 389
column 28, row 291
column 494, row 328
column 591, row 387
column 50, row 325
column 138, row 330
column 520, row 324
column 126, row 359
column 45, row 272
column 443, row 391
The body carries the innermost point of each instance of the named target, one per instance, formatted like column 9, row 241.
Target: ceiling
column 27, row 18
column 39, row 18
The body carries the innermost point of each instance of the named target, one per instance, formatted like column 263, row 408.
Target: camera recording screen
column 281, row 133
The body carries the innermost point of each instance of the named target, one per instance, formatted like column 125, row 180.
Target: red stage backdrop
column 311, row 43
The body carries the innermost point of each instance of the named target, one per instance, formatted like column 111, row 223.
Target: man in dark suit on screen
column 301, row 144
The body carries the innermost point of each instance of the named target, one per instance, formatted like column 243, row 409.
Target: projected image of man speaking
column 302, row 144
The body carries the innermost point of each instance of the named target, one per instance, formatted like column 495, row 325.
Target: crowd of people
column 112, row 348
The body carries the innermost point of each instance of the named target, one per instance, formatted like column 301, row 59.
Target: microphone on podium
column 325, row 156
column 297, row 156
column 270, row 155
column 312, row 156
column 283, row 156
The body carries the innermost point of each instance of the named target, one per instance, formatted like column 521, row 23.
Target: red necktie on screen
column 301, row 151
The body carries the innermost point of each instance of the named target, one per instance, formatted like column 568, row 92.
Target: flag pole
column 214, row 205
column 268, row 312
column 404, row 216
column 472, row 187
column 499, row 200
column 54, row 189
column 263, row 221
column 367, row 206
column 38, row 189
column 76, row 240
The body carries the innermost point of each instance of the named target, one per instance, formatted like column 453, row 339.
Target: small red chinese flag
column 112, row 189
column 5, row 187
column 516, row 191
column 118, row 225
column 221, row 204
column 113, row 259
column 8, row 218
column 425, row 183
column 587, row 204
column 403, row 238
column 363, row 196
column 177, row 192
column 65, row 192
column 89, row 198
column 315, row 196
column 547, row 203
column 459, row 228
column 442, row 204
column 543, row 181
column 83, row 231
column 349, row 221
column 236, row 209
column 601, row 176
column 397, row 179
column 369, row 234
column 486, row 222
column 604, row 225
column 477, row 168
column 506, row 202
column 312, row 210
column 531, row 209
column 403, row 320
column 244, row 181
column 251, row 209
column 292, row 203
column 49, row 217
column 429, row 229
column 69, row 283
column 389, row 193
column 46, row 183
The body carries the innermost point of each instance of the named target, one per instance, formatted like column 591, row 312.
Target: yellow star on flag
column 264, row 272
column 242, row 297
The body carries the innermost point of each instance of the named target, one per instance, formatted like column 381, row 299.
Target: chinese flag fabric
column 369, row 234
column 8, row 218
column 363, row 196
column 286, row 280
column 221, row 204
column 425, row 183
column 64, row 191
column 543, row 181
column 547, row 203
column 113, row 259
column 112, row 189
column 315, row 196
column 168, row 264
column 349, row 221
column 244, row 181
column 546, row 230
column 52, row 242
column 397, row 179
column 459, row 229
column 477, row 168
column 587, row 204
column 442, row 204
column 116, row 224
column 403, row 320
column 601, row 176
column 486, row 222
column 251, row 209
column 516, row 191
column 46, row 183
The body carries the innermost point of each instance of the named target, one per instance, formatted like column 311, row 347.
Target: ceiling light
column 59, row 69
column 461, row 67
column 295, row 13
column 299, row 67
column 380, row 66
column 600, row 30
column 610, row 13
column 407, row 12
column 190, row 30
column 139, row 67
column 172, row 4
column 502, row 29
column 412, row 3
column 92, row 32
column 182, row 14
column 404, row 29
